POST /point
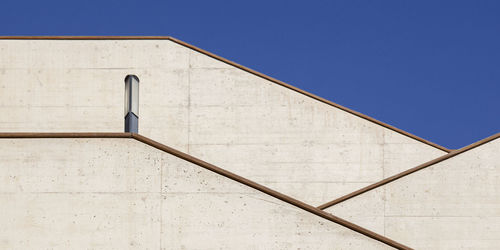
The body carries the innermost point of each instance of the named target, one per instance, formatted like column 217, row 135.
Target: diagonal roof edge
column 223, row 172
column 348, row 110
column 408, row 172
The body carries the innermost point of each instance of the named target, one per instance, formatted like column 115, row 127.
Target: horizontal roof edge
column 408, row 172
column 234, row 65
column 32, row 135
column 223, row 172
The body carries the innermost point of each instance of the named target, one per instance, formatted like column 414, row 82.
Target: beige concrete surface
column 123, row 194
column 454, row 204
column 199, row 105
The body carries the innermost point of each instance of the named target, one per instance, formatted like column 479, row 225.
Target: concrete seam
column 161, row 201
column 383, row 172
column 189, row 103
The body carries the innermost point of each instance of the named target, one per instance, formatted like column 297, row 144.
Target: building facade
column 302, row 152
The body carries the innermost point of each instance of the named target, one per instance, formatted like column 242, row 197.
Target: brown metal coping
column 407, row 172
column 217, row 170
column 235, row 65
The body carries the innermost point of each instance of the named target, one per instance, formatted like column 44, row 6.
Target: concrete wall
column 122, row 194
column 454, row 204
column 201, row 106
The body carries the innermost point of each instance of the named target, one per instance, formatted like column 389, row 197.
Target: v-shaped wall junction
column 452, row 202
column 241, row 120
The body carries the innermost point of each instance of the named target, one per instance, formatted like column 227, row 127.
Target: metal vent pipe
column 132, row 104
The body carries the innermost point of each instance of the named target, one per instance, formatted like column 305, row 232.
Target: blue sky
column 431, row 68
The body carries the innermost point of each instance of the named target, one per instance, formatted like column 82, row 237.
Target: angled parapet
column 204, row 105
column 451, row 202
column 108, row 191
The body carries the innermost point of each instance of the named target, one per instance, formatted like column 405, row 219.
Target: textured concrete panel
column 122, row 194
column 443, row 232
column 240, row 221
column 453, row 204
column 60, row 220
column 199, row 105
column 402, row 153
column 231, row 215
column 300, row 146
column 83, row 165
column 79, row 194
column 92, row 54
column 60, row 100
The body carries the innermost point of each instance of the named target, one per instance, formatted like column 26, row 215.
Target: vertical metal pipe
column 131, row 104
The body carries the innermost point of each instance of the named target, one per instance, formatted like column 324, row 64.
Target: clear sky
column 431, row 68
